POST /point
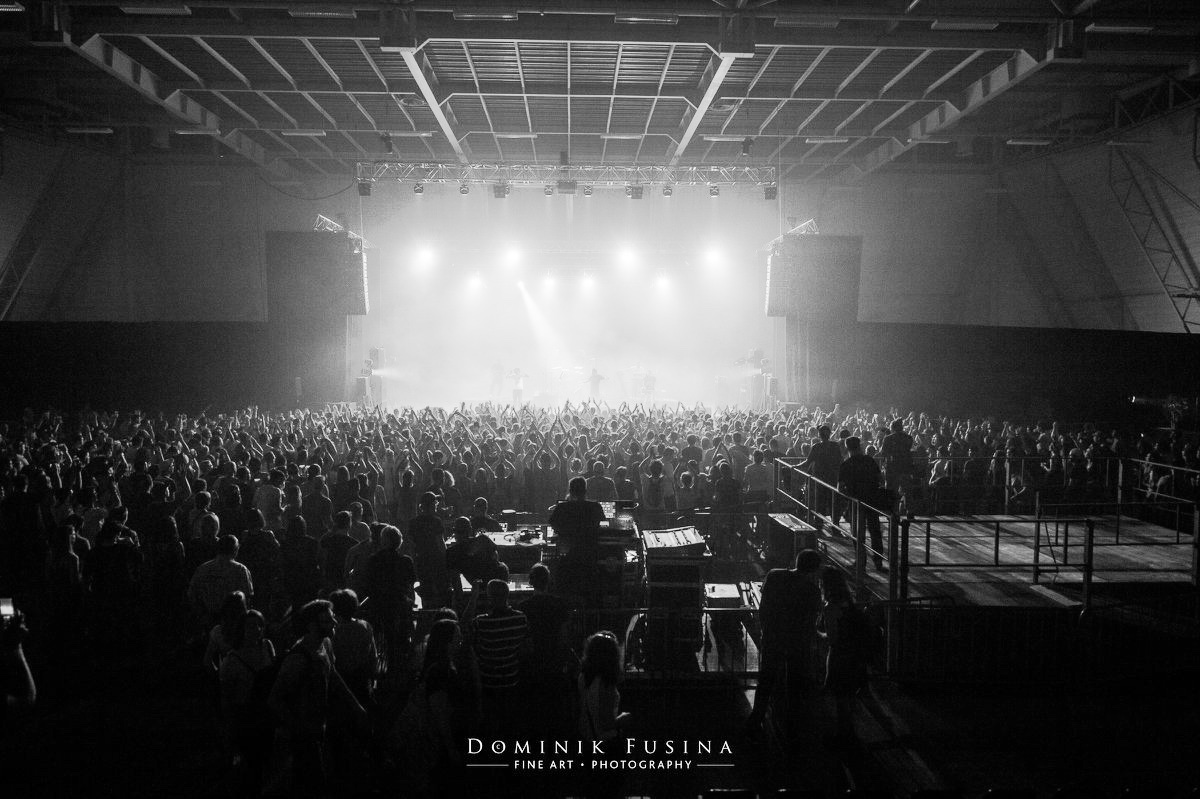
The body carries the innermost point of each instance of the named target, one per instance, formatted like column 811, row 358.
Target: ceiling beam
column 422, row 73
column 718, row 68
column 548, row 28
column 132, row 74
column 1004, row 77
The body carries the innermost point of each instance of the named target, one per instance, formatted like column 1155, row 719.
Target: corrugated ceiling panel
column 258, row 108
column 543, row 61
column 244, row 58
column 642, row 64
column 833, row 69
column 299, row 109
column 875, row 113
column 449, row 60
column 346, row 61
column 668, row 116
column 787, row 67
column 630, row 114
column 620, row 151
column 494, row 61
column 385, row 111
column 882, row 69
column 586, row 149
column 145, row 55
column 687, row 66
column 792, row 115
column 483, row 146
column 973, row 72
column 548, row 113
column 655, row 149
column 469, row 112
column 293, row 56
column 593, row 62
column 589, row 114
column 507, row 113
column 744, row 69
column 392, row 65
column 517, row 150
column 194, row 57
column 928, row 71
column 343, row 110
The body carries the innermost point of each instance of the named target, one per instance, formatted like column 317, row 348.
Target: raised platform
column 988, row 561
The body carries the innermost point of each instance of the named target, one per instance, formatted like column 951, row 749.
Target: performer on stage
column 518, row 379
column 593, row 382
column 577, row 524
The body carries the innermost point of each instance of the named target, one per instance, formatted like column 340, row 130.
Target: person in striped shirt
column 499, row 634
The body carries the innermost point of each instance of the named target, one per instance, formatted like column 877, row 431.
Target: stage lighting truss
column 324, row 224
column 582, row 175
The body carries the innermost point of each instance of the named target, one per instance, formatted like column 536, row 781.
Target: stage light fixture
column 636, row 192
column 587, row 191
column 668, row 190
column 548, row 190
column 714, row 191
column 770, row 192
column 418, row 188
column 500, row 191
column 364, row 188
column 463, row 188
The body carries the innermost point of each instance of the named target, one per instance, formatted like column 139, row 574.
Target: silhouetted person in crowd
column 548, row 666
column 859, row 478
column 300, row 559
column 389, row 587
column 576, row 522
column 304, row 692
column 473, row 556
column 480, row 520
column 848, row 635
column 791, row 602
column 216, row 579
column 246, row 678
column 259, row 552
column 334, row 548
column 499, row 633
column 427, row 543
column 317, row 508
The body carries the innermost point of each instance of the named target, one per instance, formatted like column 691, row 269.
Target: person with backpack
column 848, row 633
column 303, row 693
column 247, row 674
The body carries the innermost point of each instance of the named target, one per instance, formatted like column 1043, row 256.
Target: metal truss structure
column 1177, row 276
column 580, row 175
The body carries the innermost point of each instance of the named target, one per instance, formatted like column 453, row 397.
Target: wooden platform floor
column 962, row 559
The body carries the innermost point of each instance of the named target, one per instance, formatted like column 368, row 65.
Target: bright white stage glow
column 468, row 289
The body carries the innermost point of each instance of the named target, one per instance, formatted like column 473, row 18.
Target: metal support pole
column 860, row 551
column 1120, row 494
column 1037, row 548
column 1066, row 540
column 1007, row 482
column 893, row 549
column 928, row 524
column 996, row 548
column 1195, row 548
column 904, row 525
column 1089, row 541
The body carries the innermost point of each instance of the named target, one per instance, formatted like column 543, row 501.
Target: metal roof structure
column 825, row 89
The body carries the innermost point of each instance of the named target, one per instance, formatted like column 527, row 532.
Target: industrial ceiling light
column 963, row 25
column 485, row 16
column 12, row 5
column 197, row 132
column 517, row 135
column 723, row 137
column 163, row 10
column 418, row 188
column 1116, row 27
column 714, row 191
column 825, row 22
column 364, row 188
column 327, row 11
column 89, row 130
column 646, row 19
column 1029, row 142
column 826, row 140
column 621, row 136
column 770, row 192
column 303, row 132
column 668, row 190
column 463, row 188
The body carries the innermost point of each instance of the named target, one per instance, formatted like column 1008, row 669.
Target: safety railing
column 822, row 505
